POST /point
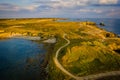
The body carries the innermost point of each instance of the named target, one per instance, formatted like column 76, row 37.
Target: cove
column 20, row 59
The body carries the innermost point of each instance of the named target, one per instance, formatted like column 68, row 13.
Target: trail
column 59, row 65
column 89, row 77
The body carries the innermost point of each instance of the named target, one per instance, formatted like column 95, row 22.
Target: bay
column 20, row 59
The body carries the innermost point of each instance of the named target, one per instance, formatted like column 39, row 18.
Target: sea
column 20, row 59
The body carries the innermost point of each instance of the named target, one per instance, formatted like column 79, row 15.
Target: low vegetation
column 92, row 50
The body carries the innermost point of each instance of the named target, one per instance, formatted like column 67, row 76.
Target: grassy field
column 92, row 50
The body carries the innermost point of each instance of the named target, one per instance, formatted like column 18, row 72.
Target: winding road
column 89, row 77
column 59, row 65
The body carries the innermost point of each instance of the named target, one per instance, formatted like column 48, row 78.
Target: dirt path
column 57, row 62
column 89, row 77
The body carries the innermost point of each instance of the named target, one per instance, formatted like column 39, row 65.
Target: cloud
column 11, row 7
column 90, row 10
column 72, row 3
column 63, row 8
column 8, row 7
column 108, row 1
column 31, row 7
column 46, row 1
column 114, row 12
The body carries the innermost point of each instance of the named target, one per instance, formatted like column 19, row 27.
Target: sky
column 60, row 8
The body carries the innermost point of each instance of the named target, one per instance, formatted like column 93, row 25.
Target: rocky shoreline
column 36, row 38
column 28, row 37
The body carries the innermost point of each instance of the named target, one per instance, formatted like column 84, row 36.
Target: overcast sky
column 60, row 8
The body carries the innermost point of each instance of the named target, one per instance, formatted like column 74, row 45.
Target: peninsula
column 81, row 49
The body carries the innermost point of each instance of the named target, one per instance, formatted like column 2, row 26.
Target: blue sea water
column 20, row 59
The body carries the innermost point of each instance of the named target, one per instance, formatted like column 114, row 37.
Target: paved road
column 89, row 77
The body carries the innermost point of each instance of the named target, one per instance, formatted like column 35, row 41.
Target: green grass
column 91, row 49
column 88, row 59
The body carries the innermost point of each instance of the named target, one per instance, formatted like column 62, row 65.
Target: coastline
column 86, row 35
